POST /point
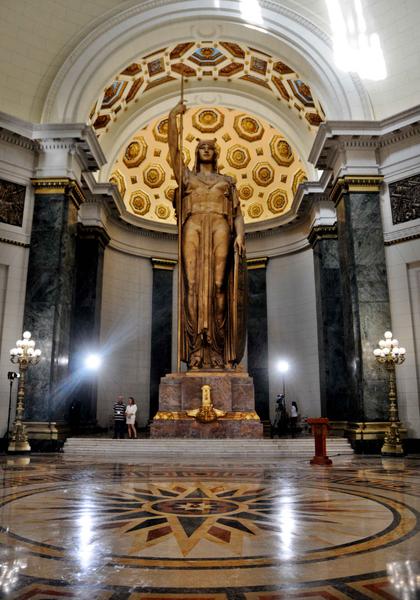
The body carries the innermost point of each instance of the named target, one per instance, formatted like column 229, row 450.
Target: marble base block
column 231, row 392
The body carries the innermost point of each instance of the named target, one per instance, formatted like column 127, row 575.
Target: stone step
column 193, row 447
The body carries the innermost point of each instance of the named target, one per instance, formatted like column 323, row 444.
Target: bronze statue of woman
column 213, row 290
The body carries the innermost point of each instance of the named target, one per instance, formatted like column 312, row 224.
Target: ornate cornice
column 406, row 234
column 257, row 263
column 322, row 232
column 355, row 184
column 59, row 185
column 17, row 140
column 14, row 243
column 164, row 264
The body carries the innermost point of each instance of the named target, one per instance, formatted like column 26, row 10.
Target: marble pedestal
column 231, row 391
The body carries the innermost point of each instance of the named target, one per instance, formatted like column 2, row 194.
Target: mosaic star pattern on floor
column 118, row 530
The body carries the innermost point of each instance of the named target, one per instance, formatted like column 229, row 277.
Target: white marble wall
column 16, row 164
column 292, row 331
column 403, row 266
column 125, row 333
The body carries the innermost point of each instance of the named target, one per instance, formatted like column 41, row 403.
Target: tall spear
column 179, row 214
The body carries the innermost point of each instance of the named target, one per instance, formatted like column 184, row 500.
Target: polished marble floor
column 114, row 529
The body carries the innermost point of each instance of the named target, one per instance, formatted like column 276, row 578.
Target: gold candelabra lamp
column 23, row 355
column 390, row 353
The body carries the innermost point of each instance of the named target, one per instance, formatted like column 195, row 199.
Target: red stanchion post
column 320, row 431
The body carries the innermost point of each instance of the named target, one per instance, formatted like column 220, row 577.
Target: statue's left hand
column 239, row 245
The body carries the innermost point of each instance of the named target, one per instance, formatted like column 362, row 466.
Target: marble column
column 257, row 334
column 329, row 305
column 49, row 294
column 366, row 310
column 91, row 242
column 161, row 350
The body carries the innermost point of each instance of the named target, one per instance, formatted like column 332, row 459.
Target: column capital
column 355, row 184
column 47, row 186
column 257, row 263
column 322, row 232
column 164, row 264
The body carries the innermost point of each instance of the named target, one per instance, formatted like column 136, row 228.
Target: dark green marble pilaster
column 161, row 350
column 49, row 297
column 329, row 305
column 257, row 335
column 366, row 311
column 85, row 327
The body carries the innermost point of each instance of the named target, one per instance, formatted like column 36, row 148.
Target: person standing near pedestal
column 294, row 414
column 130, row 418
column 212, row 231
column 119, row 418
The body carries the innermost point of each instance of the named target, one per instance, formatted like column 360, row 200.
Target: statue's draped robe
column 210, row 204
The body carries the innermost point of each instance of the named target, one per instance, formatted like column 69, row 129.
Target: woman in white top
column 130, row 417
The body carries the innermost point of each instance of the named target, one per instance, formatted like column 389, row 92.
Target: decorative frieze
column 12, row 202
column 405, row 199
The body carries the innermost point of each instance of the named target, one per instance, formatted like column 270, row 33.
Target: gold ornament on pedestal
column 23, row 355
column 390, row 354
column 206, row 413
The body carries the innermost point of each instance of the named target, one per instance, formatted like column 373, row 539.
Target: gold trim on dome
column 170, row 193
column 245, row 191
column 140, row 202
column 162, row 211
column 153, row 175
column 298, row 178
column 281, row 151
column 255, row 210
column 263, row 174
column 167, row 65
column 160, row 131
column 238, row 156
column 208, row 120
column 277, row 201
column 135, row 153
column 186, row 157
column 117, row 179
column 248, row 128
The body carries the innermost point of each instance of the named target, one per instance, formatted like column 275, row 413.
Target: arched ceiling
column 264, row 165
column 206, row 61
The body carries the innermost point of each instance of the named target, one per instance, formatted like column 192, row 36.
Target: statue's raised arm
column 173, row 140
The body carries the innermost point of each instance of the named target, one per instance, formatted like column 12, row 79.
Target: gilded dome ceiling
column 206, row 61
column 265, row 167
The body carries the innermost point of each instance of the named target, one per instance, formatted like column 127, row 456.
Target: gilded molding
column 257, row 263
column 407, row 238
column 59, row 185
column 369, row 430
column 163, row 415
column 322, row 232
column 355, row 184
column 14, row 243
column 164, row 264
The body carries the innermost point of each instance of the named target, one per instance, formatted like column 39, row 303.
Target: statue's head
column 206, row 152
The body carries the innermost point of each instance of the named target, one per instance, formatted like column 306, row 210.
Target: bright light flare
column 93, row 362
column 355, row 50
column 283, row 366
column 251, row 11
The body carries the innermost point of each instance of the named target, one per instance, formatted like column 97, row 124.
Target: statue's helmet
column 212, row 144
